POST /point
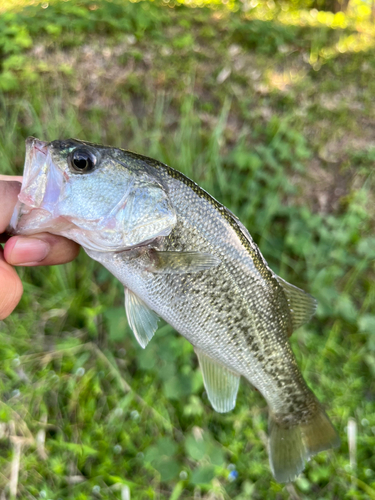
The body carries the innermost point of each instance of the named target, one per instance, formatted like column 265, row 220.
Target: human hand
column 42, row 249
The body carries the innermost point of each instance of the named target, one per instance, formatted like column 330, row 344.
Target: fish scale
column 255, row 332
column 184, row 257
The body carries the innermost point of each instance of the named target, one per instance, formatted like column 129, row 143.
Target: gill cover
column 111, row 208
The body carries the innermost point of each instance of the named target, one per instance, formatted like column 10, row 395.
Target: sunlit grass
column 14, row 5
column 357, row 18
column 358, row 14
column 232, row 5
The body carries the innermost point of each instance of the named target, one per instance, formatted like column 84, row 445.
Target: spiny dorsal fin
column 221, row 384
column 141, row 319
column 181, row 262
column 301, row 304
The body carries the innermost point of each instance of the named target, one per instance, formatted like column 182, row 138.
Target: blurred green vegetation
column 268, row 107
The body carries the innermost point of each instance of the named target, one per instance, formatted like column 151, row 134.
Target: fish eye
column 82, row 160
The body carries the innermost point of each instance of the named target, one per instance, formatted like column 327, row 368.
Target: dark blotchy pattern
column 237, row 313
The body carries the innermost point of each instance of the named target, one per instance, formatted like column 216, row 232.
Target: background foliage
column 271, row 109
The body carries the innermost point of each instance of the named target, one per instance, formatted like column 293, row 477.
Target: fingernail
column 29, row 251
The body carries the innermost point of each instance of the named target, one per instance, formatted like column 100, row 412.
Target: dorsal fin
column 142, row 320
column 301, row 304
column 220, row 383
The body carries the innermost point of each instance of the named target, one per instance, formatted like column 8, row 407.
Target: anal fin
column 220, row 383
column 141, row 319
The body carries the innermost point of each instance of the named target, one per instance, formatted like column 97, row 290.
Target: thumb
column 42, row 249
column 10, row 288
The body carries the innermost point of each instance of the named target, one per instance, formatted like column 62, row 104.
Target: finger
column 8, row 196
column 10, row 288
column 41, row 249
column 8, row 178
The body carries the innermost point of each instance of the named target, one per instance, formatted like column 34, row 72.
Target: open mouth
column 41, row 146
column 34, row 184
column 35, row 173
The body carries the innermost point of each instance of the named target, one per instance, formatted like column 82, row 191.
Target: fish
column 184, row 257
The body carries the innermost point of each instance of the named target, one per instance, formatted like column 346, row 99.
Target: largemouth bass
column 183, row 257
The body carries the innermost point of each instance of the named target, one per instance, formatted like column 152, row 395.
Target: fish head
column 103, row 198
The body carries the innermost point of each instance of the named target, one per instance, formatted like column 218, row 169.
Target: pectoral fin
column 221, row 384
column 181, row 262
column 301, row 304
column 141, row 319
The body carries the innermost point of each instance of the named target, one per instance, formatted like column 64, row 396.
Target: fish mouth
column 33, row 142
column 40, row 186
column 35, row 172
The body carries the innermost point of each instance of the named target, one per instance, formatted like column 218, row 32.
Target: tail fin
column 289, row 448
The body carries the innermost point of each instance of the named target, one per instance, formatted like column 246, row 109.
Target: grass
column 285, row 143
